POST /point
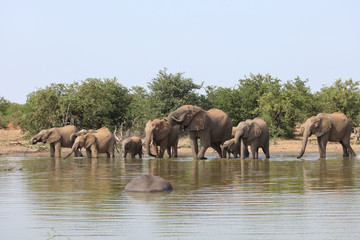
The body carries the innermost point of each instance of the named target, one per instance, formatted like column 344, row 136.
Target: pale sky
column 216, row 42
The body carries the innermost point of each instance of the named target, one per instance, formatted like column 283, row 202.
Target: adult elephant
column 101, row 141
column 334, row 127
column 57, row 137
column 253, row 133
column 162, row 136
column 212, row 127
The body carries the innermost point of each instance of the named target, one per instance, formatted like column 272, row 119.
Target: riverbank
column 12, row 142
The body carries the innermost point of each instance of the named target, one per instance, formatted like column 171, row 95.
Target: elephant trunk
column 148, row 138
column 33, row 140
column 304, row 142
column 73, row 149
column 174, row 120
column 73, row 137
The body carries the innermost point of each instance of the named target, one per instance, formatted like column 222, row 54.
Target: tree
column 170, row 91
column 341, row 96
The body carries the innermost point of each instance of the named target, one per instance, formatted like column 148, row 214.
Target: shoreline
column 12, row 144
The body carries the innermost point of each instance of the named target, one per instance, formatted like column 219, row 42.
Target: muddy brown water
column 279, row 198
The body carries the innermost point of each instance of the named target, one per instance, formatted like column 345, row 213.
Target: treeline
column 94, row 103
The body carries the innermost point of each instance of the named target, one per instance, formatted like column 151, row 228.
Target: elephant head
column 82, row 141
column 228, row 145
column 156, row 130
column 77, row 134
column 46, row 136
column 318, row 125
column 191, row 117
column 248, row 130
column 126, row 144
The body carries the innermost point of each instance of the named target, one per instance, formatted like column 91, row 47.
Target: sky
column 216, row 42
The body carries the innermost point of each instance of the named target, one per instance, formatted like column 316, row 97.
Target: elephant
column 101, row 141
column 212, row 127
column 163, row 136
column 132, row 145
column 82, row 132
column 253, row 133
column 57, row 137
column 229, row 146
column 334, row 127
column 148, row 183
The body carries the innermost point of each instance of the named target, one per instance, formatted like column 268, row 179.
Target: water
column 280, row 198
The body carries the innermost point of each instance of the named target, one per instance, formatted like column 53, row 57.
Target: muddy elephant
column 230, row 147
column 148, row 184
column 162, row 136
column 57, row 137
column 212, row 127
column 132, row 145
column 253, row 133
column 101, row 141
column 334, row 127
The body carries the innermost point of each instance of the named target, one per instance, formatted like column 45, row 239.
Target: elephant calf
column 229, row 146
column 132, row 145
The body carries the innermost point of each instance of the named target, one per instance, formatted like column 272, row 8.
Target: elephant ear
column 199, row 122
column 90, row 139
column 254, row 131
column 164, row 130
column 322, row 126
column 51, row 136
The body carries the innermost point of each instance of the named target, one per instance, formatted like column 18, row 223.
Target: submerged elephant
column 212, row 127
column 334, row 127
column 101, row 141
column 148, row 183
column 162, row 136
column 57, row 137
column 132, row 145
column 230, row 147
column 253, row 133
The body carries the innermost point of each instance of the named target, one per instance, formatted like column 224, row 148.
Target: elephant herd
column 212, row 128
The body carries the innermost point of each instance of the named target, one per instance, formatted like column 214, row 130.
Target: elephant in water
column 57, row 137
column 148, row 183
column 229, row 146
column 162, row 136
column 132, row 145
column 253, row 133
column 101, row 141
column 334, row 127
column 212, row 127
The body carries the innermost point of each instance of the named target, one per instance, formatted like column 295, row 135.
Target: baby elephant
column 132, row 145
column 229, row 146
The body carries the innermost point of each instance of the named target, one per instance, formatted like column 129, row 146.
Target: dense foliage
column 94, row 103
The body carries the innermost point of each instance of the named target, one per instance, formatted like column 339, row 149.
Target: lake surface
column 279, row 198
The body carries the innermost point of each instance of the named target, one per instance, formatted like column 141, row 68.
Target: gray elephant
column 101, row 141
column 148, row 183
column 253, row 133
column 132, row 145
column 212, row 127
column 334, row 127
column 230, row 147
column 83, row 132
column 57, row 137
column 162, row 136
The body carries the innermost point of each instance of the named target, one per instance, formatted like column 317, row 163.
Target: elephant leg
column 253, row 151
column 345, row 151
column 194, row 147
column 94, row 151
column 217, row 148
column 175, row 149
column 346, row 143
column 322, row 142
column 124, row 154
column 140, row 154
column 204, row 145
column 88, row 153
column 265, row 149
column 57, row 147
column 52, row 150
column 168, row 149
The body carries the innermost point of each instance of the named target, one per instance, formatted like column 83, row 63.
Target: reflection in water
column 280, row 198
